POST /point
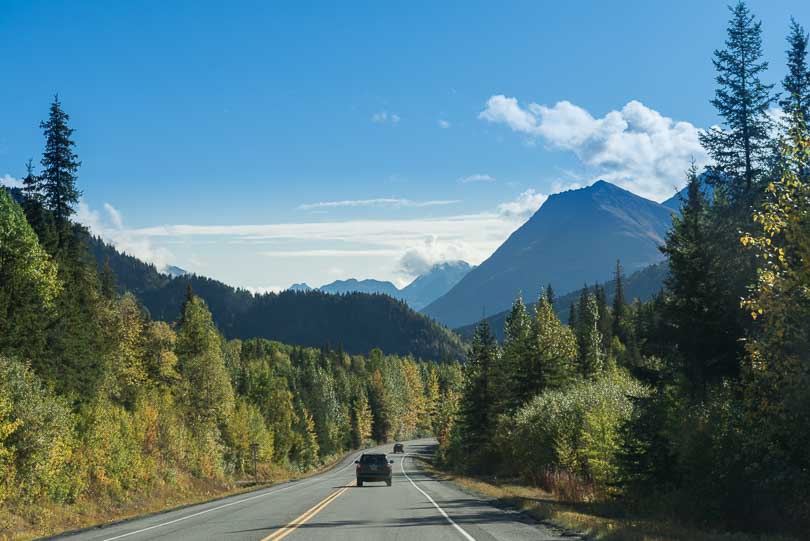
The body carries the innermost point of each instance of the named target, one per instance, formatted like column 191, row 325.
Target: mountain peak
column 574, row 238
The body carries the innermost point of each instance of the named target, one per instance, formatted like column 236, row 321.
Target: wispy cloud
column 110, row 227
column 476, row 178
column 444, row 124
column 378, row 202
column 635, row 147
column 385, row 117
column 10, row 182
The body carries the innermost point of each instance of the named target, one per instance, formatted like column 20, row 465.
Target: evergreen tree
column 553, row 352
column 741, row 146
column 605, row 317
column 476, row 413
column 550, row 297
column 591, row 353
column 695, row 304
column 510, row 376
column 796, row 101
column 32, row 184
column 572, row 316
column 107, row 279
column 619, row 303
column 40, row 219
column 59, row 167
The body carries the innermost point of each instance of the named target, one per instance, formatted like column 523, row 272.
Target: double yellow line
column 294, row 524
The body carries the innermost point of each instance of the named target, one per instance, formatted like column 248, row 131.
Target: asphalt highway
column 329, row 506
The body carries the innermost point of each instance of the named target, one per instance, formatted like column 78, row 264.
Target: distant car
column 373, row 467
column 399, row 448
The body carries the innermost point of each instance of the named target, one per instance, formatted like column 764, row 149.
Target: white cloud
column 384, row 117
column 115, row 216
column 378, row 202
column 444, row 124
column 523, row 206
column 420, row 258
column 476, row 178
column 636, row 147
column 111, row 229
column 10, row 182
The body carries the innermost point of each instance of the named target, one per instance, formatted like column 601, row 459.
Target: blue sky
column 268, row 143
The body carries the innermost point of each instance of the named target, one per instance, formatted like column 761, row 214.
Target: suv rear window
column 373, row 459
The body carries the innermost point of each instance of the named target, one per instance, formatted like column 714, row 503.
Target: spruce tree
column 33, row 204
column 591, row 354
column 696, row 305
column 572, row 316
column 619, row 303
column 796, row 101
column 510, row 379
column 476, row 412
column 550, row 297
column 740, row 147
column 59, row 167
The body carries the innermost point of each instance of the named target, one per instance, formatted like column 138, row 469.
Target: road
column 330, row 507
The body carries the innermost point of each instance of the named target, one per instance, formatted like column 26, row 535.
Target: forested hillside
column 693, row 405
column 642, row 285
column 102, row 405
column 354, row 322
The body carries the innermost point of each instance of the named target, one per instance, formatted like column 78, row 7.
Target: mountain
column 303, row 286
column 437, row 281
column 369, row 285
column 574, row 238
column 434, row 283
column 643, row 285
column 356, row 322
column 173, row 271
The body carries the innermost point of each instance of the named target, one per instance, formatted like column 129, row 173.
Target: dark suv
column 399, row 448
column 373, row 467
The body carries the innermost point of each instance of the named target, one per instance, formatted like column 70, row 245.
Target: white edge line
column 269, row 493
column 467, row 536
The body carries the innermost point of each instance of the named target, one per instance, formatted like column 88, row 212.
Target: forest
column 695, row 404
column 101, row 405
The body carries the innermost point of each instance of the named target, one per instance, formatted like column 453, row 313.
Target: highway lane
column 329, row 506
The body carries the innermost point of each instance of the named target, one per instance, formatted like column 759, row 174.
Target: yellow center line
column 294, row 524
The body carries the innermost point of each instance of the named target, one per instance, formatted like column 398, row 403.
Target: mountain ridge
column 574, row 238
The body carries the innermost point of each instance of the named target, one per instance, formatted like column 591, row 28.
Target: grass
column 23, row 522
column 599, row 521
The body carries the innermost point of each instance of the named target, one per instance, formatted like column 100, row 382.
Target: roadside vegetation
column 107, row 413
column 690, row 412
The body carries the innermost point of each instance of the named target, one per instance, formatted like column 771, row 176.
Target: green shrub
column 575, row 430
column 43, row 445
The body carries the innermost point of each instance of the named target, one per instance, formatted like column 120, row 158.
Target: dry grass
column 598, row 521
column 19, row 523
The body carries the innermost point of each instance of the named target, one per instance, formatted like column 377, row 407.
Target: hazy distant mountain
column 437, row 281
column 573, row 239
column 368, row 285
column 643, row 285
column 303, row 286
column 174, row 272
column 434, row 283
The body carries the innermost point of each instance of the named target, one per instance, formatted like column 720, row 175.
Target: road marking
column 271, row 492
column 467, row 536
column 296, row 523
